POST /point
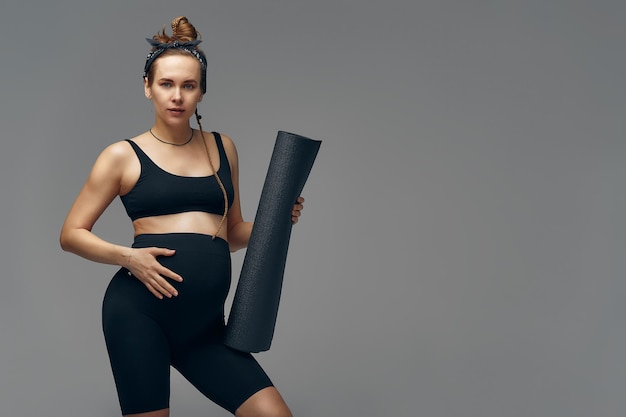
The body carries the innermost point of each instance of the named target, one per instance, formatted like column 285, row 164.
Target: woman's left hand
column 296, row 212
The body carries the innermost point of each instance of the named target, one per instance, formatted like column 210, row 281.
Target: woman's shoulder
column 227, row 143
column 229, row 148
column 117, row 152
column 226, row 140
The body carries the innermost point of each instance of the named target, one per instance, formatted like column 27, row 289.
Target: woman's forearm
column 86, row 244
column 239, row 235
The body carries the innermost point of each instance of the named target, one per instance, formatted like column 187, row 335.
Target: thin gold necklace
column 172, row 143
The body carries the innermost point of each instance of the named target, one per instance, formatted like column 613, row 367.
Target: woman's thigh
column 140, row 360
column 224, row 375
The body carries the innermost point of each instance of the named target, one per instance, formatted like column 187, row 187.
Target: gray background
column 462, row 247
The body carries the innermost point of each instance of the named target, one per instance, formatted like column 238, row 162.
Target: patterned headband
column 185, row 46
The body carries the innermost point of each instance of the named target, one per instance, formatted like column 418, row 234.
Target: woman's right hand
column 143, row 265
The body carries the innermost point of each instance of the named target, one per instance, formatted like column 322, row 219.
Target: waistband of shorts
column 196, row 241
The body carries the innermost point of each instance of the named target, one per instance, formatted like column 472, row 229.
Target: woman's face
column 175, row 89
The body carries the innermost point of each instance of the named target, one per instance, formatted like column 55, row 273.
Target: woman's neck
column 173, row 135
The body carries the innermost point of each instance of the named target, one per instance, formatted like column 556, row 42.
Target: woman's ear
column 146, row 89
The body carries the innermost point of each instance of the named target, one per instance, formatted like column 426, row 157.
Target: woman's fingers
column 154, row 291
column 159, row 286
column 296, row 211
column 163, row 287
column 163, row 271
column 154, row 275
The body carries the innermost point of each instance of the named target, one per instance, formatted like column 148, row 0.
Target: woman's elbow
column 233, row 247
column 65, row 240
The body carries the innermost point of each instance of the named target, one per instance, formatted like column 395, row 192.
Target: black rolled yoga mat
column 254, row 310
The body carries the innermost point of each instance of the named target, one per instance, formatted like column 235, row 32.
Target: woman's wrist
column 126, row 257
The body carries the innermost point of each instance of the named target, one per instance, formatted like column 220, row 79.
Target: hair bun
column 182, row 30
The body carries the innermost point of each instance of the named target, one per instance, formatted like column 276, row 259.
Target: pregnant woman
column 165, row 305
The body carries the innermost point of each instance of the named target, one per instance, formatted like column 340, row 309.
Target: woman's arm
column 101, row 187
column 238, row 229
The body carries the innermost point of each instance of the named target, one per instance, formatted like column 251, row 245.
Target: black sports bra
column 158, row 192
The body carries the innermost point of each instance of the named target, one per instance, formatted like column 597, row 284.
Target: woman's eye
column 189, row 86
column 166, row 85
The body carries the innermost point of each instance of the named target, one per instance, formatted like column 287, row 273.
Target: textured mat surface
column 254, row 310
